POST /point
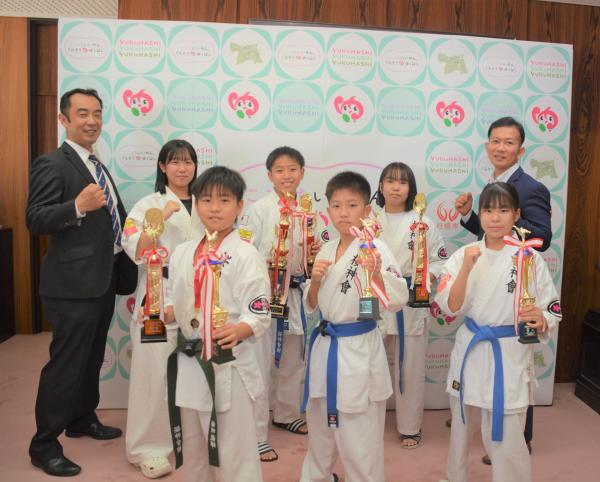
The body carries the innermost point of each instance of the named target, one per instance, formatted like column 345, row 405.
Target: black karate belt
column 192, row 348
column 296, row 281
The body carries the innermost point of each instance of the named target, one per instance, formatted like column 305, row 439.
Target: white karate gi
column 363, row 381
column 148, row 433
column 399, row 238
column 489, row 301
column 243, row 290
column 261, row 219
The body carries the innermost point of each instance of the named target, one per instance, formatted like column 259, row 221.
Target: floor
column 566, row 444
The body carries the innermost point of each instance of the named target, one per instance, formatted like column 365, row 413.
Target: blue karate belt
column 295, row 282
column 335, row 331
column 491, row 334
column 400, row 325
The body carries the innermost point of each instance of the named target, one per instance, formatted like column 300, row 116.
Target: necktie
column 102, row 182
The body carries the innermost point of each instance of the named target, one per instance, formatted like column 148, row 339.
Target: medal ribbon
column 524, row 247
column 153, row 256
column 416, row 227
column 204, row 291
column 367, row 234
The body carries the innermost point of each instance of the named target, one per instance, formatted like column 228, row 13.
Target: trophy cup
column 154, row 330
column 279, row 265
column 306, row 208
column 527, row 334
column 219, row 314
column 368, row 304
column 418, row 296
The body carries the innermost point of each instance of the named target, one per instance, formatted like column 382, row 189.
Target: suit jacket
column 80, row 259
column 534, row 201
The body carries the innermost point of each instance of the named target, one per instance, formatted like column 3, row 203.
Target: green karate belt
column 192, row 348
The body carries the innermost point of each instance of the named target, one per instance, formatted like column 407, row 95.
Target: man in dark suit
column 504, row 148
column 73, row 199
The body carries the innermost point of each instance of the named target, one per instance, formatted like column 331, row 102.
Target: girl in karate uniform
column 147, row 440
column 408, row 327
column 491, row 374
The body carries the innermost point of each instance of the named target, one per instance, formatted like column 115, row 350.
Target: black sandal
column 416, row 438
column 265, row 448
column 293, row 426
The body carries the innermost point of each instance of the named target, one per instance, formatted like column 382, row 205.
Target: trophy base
column 220, row 355
column 279, row 311
column 368, row 308
column 153, row 331
column 418, row 297
column 527, row 335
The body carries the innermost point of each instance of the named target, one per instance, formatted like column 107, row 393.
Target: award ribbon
column 367, row 234
column 524, row 247
column 416, row 227
column 204, row 291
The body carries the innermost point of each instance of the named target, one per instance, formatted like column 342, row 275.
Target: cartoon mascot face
column 245, row 105
column 350, row 109
column 451, row 114
column 545, row 119
column 139, row 103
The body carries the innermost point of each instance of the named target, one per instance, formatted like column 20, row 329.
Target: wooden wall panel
column 14, row 158
column 579, row 25
column 192, row 10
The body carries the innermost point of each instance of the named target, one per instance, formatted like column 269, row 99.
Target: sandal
column 294, row 427
column 416, row 438
column 263, row 449
column 155, row 467
column 335, row 477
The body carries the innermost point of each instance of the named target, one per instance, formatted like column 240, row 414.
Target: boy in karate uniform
column 348, row 379
column 196, row 384
column 285, row 167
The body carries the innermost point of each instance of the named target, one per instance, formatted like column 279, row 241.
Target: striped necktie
column 112, row 209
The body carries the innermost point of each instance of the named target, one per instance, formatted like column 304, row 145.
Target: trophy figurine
column 306, row 208
column 219, row 314
column 154, row 330
column 368, row 304
column 527, row 334
column 418, row 296
column 279, row 265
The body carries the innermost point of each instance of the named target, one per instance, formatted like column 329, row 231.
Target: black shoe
column 96, row 431
column 486, row 460
column 58, row 466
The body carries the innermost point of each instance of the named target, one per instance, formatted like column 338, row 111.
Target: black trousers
column 68, row 392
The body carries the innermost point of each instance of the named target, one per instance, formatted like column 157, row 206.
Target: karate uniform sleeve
column 436, row 250
column 546, row 298
column 253, row 223
column 445, row 282
column 394, row 284
column 307, row 308
column 169, row 282
column 253, row 288
column 132, row 230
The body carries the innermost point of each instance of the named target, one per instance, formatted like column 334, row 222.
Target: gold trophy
column 527, row 334
column 306, row 208
column 154, row 330
column 368, row 304
column 418, row 296
column 279, row 265
column 219, row 314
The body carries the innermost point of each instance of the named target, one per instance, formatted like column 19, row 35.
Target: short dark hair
column 221, row 177
column 349, row 180
column 275, row 154
column 499, row 194
column 402, row 172
column 508, row 122
column 173, row 150
column 65, row 100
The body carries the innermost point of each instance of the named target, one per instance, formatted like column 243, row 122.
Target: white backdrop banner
column 347, row 99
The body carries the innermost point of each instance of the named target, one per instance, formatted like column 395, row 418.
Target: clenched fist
column 170, row 208
column 472, row 254
column 464, row 203
column 90, row 198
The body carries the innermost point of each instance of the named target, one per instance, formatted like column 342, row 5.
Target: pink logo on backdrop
column 139, row 103
column 349, row 109
column 446, row 212
column 245, row 105
column 451, row 114
column 545, row 119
